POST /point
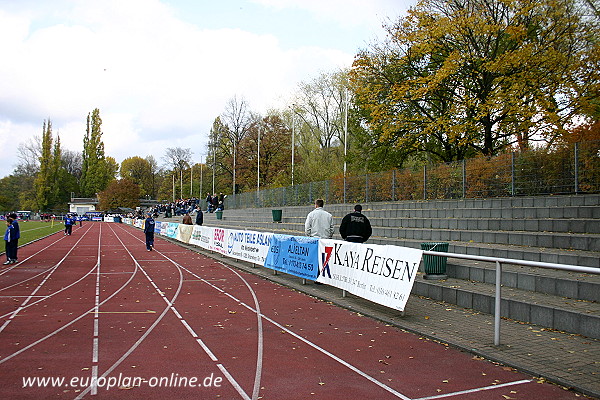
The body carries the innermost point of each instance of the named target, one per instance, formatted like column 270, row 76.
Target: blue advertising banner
column 294, row 255
column 171, row 230
column 157, row 227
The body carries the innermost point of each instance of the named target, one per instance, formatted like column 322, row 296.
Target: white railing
column 499, row 261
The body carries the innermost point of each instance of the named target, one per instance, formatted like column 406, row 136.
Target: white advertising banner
column 248, row 246
column 184, row 232
column 201, row 236
column 382, row 274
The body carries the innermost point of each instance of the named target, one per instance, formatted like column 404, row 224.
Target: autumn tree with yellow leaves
column 457, row 78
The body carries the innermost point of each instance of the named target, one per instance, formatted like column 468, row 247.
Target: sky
column 161, row 71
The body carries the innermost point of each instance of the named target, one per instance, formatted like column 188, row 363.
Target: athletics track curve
column 94, row 315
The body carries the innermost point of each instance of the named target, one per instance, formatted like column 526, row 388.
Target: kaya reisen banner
column 381, row 273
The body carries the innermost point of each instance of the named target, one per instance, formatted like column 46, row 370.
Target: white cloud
column 158, row 81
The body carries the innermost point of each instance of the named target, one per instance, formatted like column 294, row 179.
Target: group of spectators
column 214, row 202
column 176, row 208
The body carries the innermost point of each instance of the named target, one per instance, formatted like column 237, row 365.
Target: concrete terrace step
column 550, row 240
column 393, row 211
column 549, row 255
column 561, row 313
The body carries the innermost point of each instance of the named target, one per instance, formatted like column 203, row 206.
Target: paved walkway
column 572, row 361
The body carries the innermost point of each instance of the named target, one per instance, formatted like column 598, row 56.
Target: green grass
column 32, row 230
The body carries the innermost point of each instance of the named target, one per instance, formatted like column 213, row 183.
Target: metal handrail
column 499, row 261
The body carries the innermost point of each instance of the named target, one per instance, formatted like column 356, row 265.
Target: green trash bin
column 219, row 214
column 276, row 215
column 435, row 266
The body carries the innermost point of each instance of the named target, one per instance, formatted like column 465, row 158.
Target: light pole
column 214, row 166
column 201, row 186
column 293, row 138
column 345, row 137
column 258, row 165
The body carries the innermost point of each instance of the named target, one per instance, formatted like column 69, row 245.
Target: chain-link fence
column 568, row 170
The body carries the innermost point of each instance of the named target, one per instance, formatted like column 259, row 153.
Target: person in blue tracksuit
column 10, row 242
column 149, row 231
column 15, row 236
column 69, row 221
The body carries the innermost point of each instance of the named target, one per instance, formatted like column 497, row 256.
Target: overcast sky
column 161, row 71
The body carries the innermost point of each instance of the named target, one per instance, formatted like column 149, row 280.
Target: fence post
column 464, row 178
column 512, row 174
column 344, row 188
column 498, row 300
column 576, row 168
column 393, row 185
column 425, row 182
column 366, row 188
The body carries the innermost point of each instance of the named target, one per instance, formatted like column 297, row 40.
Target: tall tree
column 44, row 178
column 320, row 104
column 96, row 171
column 460, row 77
column 177, row 160
column 219, row 156
column 139, row 171
column 237, row 117
column 48, row 180
column 275, row 152
column 119, row 193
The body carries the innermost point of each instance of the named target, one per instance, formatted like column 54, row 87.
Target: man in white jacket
column 319, row 223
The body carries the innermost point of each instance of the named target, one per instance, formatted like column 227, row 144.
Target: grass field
column 32, row 230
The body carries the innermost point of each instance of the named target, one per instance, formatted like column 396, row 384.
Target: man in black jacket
column 355, row 227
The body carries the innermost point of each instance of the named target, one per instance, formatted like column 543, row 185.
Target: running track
column 115, row 321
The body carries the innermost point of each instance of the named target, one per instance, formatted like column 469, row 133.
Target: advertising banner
column 295, row 255
column 201, row 236
column 171, row 230
column 248, row 246
column 184, row 232
column 158, row 227
column 218, row 241
column 382, row 274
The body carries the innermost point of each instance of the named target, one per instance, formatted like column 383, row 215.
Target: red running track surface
column 95, row 315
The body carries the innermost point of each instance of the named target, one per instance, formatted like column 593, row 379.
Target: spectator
column 68, row 225
column 319, row 223
column 356, row 227
column 214, row 201
column 199, row 216
column 10, row 242
column 187, row 220
column 149, row 231
column 16, row 235
column 208, row 202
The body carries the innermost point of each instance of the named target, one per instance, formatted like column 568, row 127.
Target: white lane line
column 233, row 382
column 315, row 346
column 207, row 350
column 96, row 337
column 38, row 287
column 65, row 326
column 481, row 389
column 28, row 258
column 150, row 328
column 259, row 356
column 179, row 267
